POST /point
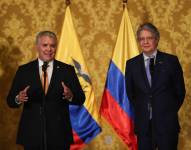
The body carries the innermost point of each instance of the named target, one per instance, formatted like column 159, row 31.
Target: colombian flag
column 84, row 119
column 115, row 107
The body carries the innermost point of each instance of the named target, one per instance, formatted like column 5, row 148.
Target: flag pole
column 124, row 3
column 67, row 2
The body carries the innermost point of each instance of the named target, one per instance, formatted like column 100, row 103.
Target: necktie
column 150, row 72
column 43, row 82
column 150, row 69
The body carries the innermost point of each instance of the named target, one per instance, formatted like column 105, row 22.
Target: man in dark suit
column 155, row 87
column 45, row 121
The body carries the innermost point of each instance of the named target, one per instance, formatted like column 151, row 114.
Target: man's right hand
column 22, row 96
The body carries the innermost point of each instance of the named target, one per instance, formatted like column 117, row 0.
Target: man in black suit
column 155, row 87
column 45, row 121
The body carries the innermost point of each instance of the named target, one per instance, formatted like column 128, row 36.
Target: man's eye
column 53, row 46
column 146, row 38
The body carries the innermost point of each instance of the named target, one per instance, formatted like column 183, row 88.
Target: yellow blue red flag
column 115, row 107
column 84, row 119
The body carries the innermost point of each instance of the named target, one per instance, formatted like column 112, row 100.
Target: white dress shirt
column 49, row 68
column 146, row 57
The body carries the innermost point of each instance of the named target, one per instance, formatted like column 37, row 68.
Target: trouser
column 48, row 148
column 150, row 141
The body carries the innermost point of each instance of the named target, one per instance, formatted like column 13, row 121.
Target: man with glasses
column 155, row 87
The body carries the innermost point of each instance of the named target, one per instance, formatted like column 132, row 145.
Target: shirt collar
column 40, row 63
column 153, row 55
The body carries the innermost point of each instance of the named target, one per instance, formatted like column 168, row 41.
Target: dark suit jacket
column 166, row 95
column 59, row 131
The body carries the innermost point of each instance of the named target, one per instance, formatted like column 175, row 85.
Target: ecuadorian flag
column 84, row 119
column 115, row 107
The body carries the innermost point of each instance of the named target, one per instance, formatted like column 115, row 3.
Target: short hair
column 45, row 33
column 150, row 27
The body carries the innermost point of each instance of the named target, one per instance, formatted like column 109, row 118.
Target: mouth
column 49, row 54
column 146, row 46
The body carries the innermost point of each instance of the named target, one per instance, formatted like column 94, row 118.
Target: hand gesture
column 22, row 96
column 67, row 93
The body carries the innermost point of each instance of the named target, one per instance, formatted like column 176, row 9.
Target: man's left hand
column 67, row 93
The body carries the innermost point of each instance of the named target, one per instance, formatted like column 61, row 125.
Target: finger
column 66, row 89
column 26, row 88
column 67, row 94
column 63, row 85
column 22, row 98
column 65, row 97
column 23, row 93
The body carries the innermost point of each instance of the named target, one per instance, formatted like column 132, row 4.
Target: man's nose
column 49, row 48
column 145, row 40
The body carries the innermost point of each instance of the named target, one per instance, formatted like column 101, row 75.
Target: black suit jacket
column 166, row 94
column 58, row 126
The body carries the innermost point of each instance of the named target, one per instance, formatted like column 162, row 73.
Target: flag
column 115, row 107
column 84, row 119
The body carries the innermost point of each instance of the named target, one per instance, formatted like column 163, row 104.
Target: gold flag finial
column 124, row 3
column 67, row 2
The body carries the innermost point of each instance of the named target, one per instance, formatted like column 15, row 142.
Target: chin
column 147, row 51
column 48, row 59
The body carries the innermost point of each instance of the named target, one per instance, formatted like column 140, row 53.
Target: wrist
column 17, row 100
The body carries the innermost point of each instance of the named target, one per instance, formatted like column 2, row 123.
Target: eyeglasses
column 149, row 38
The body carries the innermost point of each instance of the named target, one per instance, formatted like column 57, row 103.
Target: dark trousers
column 157, row 142
column 163, row 143
column 48, row 148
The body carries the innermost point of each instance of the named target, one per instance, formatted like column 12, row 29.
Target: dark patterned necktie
column 150, row 69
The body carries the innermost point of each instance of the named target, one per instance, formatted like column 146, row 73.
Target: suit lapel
column 158, row 68
column 54, row 74
column 37, row 74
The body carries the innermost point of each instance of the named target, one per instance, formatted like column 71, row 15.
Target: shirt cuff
column 70, row 99
column 17, row 100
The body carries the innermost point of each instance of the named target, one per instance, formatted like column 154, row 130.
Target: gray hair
column 150, row 27
column 45, row 33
